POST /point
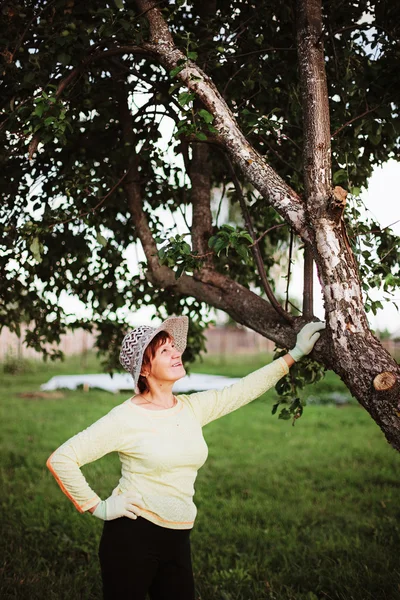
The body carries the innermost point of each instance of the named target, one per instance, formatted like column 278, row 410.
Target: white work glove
column 122, row 505
column 306, row 339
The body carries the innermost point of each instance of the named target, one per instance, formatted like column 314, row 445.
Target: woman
column 145, row 545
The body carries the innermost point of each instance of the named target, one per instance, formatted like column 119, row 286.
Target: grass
column 284, row 513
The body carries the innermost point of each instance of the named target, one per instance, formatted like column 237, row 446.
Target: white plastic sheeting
column 195, row 382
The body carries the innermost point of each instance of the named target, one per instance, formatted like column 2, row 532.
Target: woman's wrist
column 91, row 510
column 289, row 360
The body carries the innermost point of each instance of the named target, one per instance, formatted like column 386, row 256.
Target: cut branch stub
column 384, row 381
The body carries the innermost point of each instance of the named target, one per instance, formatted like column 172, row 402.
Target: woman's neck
column 163, row 398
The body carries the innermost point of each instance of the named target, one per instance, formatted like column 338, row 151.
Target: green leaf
column 101, row 239
column 119, row 4
column 275, row 408
column 212, row 129
column 179, row 271
column 201, row 136
column 192, row 55
column 242, row 251
column 340, row 176
column 176, row 70
column 35, row 249
column 220, row 245
column 284, row 414
column 375, row 139
column 246, row 236
column 185, row 97
column 206, row 116
column 63, row 58
column 174, row 86
column 40, row 108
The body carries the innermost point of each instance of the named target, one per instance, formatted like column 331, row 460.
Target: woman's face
column 167, row 363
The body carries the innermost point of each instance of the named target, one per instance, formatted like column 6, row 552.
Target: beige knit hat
column 136, row 341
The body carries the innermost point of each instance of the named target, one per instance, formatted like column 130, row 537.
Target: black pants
column 138, row 557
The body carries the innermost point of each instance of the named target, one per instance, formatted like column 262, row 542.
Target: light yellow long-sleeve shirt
column 160, row 450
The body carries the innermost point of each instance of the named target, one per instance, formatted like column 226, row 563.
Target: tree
column 277, row 106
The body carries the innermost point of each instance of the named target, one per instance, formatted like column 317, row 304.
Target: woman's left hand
column 306, row 339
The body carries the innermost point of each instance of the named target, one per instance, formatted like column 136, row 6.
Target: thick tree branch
column 200, row 176
column 200, row 169
column 316, row 121
column 251, row 163
column 316, row 125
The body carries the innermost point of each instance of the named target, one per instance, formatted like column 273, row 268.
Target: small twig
column 255, row 249
column 388, row 252
column 266, row 232
column 220, row 202
column 269, row 49
column 367, row 26
column 355, row 119
column 247, row 100
column 356, row 235
column 201, row 255
column 277, row 154
column 295, row 307
column 289, row 268
column 183, row 216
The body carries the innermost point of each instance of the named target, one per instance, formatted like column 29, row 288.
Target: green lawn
column 285, row 513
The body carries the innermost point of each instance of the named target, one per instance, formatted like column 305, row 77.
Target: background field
column 285, row 513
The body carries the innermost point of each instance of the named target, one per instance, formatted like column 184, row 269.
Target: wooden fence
column 220, row 340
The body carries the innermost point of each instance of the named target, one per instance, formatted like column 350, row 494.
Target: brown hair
column 149, row 354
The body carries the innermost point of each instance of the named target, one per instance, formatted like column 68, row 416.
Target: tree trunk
column 357, row 356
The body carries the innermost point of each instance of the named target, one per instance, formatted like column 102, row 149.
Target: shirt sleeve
column 213, row 404
column 102, row 437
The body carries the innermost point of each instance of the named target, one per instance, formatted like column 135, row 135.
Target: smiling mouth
column 177, row 365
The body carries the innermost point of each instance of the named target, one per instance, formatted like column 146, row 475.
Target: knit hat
column 136, row 341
